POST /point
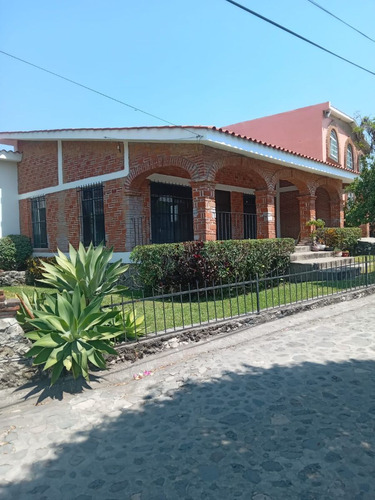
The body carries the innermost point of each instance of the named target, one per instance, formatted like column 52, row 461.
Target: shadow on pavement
column 65, row 385
column 303, row 432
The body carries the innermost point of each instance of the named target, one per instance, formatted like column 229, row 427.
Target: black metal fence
column 179, row 309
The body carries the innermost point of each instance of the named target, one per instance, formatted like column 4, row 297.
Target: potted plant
column 337, row 252
column 316, row 243
column 345, row 253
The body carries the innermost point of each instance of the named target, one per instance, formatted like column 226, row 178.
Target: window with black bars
column 92, row 214
column 39, row 222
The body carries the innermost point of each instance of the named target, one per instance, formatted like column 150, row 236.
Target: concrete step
column 302, row 248
column 310, row 255
column 300, row 266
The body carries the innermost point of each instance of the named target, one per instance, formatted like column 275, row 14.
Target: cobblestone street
column 284, row 410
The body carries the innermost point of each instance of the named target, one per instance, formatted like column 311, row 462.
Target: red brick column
column 306, row 212
column 265, row 204
column 337, row 213
column 365, row 228
column 204, row 210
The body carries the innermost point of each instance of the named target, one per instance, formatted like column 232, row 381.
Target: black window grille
column 92, row 215
column 171, row 213
column 39, row 222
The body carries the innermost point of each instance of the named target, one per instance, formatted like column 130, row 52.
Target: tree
column 360, row 207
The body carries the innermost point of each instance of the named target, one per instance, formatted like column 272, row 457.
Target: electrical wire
column 341, row 20
column 299, row 36
column 99, row 93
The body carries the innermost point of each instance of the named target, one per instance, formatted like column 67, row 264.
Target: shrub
column 68, row 327
column 34, row 268
column 194, row 263
column 15, row 249
column 340, row 237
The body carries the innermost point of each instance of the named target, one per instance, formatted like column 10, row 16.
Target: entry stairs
column 304, row 260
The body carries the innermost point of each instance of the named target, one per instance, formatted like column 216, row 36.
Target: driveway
column 285, row 410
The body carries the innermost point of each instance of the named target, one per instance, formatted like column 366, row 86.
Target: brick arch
column 241, row 173
column 323, row 205
column 166, row 164
column 331, row 186
column 294, row 177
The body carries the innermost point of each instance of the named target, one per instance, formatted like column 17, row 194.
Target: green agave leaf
column 35, row 335
column 76, row 369
column 55, row 356
column 42, row 357
column 35, row 350
column 67, row 362
column 56, row 372
column 103, row 346
column 49, row 340
column 97, row 359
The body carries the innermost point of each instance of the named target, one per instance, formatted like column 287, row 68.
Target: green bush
column 344, row 238
column 170, row 266
column 68, row 327
column 34, row 269
column 15, row 249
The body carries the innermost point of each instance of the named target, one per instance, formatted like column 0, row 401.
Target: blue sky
column 198, row 62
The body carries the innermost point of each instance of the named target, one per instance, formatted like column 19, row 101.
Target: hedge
column 344, row 238
column 174, row 265
column 15, row 249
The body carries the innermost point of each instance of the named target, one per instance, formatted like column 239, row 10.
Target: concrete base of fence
column 131, row 352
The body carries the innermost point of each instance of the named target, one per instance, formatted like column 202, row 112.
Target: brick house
column 144, row 185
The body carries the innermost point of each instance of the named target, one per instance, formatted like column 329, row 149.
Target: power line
column 341, row 20
column 299, row 36
column 97, row 92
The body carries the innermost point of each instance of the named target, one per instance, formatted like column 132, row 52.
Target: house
column 138, row 185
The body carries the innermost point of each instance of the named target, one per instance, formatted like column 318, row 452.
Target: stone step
column 300, row 266
column 302, row 248
column 310, row 255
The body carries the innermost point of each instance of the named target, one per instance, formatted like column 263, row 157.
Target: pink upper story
column 304, row 130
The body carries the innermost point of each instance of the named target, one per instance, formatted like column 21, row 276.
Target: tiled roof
column 191, row 127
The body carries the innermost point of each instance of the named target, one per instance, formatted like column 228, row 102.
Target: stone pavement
column 282, row 410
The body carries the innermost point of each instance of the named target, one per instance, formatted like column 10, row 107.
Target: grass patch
column 171, row 313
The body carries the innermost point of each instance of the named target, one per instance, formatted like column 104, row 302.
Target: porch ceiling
column 209, row 136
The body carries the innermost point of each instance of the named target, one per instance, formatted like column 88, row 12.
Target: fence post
column 366, row 269
column 257, row 291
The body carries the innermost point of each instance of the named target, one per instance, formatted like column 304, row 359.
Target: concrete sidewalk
column 282, row 410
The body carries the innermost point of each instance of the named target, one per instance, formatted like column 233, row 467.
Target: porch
column 173, row 213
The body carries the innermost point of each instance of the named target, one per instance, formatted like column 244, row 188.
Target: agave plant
column 90, row 269
column 69, row 333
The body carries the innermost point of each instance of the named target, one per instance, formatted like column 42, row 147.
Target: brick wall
column 289, row 214
column 38, row 168
column 83, row 159
column 322, row 205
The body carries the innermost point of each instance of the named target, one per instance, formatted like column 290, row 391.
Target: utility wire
column 98, row 92
column 341, row 20
column 299, row 36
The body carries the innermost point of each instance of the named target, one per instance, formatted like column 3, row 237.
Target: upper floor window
column 349, row 158
column 92, row 215
column 334, row 146
column 39, row 222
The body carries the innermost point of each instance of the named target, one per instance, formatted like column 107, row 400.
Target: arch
column 294, row 177
column 243, row 174
column 323, row 205
column 331, row 186
column 166, row 164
